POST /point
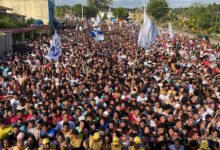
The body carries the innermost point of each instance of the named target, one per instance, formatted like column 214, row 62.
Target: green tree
column 29, row 21
column 77, row 9
column 105, row 16
column 158, row 9
column 200, row 17
column 7, row 22
column 102, row 5
column 90, row 12
column 62, row 10
column 121, row 13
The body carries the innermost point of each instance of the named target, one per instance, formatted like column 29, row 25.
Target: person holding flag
column 55, row 48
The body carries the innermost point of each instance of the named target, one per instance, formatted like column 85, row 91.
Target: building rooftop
column 5, row 8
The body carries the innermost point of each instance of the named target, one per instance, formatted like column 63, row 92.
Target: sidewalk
column 190, row 34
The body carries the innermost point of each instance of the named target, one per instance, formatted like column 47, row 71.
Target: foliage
column 14, row 21
column 105, row 16
column 198, row 18
column 29, row 21
column 90, row 12
column 121, row 13
column 6, row 22
column 62, row 10
column 77, row 9
column 158, row 9
column 102, row 5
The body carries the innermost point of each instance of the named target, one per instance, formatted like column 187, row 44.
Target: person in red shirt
column 135, row 116
column 14, row 119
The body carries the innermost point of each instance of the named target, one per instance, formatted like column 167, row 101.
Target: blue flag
column 55, row 48
column 97, row 35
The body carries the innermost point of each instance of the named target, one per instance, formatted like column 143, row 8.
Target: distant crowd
column 111, row 95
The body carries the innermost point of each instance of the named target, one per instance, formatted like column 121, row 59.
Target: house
column 36, row 9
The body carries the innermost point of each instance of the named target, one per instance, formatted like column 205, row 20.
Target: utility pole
column 54, row 9
column 82, row 10
column 216, row 20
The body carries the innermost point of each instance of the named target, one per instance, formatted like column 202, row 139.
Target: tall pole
column 144, row 3
column 216, row 20
column 55, row 9
column 82, row 9
column 109, row 11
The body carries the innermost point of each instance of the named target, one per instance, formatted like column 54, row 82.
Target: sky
column 139, row 3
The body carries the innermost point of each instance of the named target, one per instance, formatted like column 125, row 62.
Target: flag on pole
column 97, row 34
column 55, row 48
column 77, row 26
column 109, row 27
column 148, row 33
column 170, row 31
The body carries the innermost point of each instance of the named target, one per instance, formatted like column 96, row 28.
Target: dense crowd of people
column 111, row 95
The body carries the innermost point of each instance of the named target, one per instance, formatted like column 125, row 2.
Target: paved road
column 190, row 34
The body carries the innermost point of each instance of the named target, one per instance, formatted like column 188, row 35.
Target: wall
column 37, row 9
column 6, row 43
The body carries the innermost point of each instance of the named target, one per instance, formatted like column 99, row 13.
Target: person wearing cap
column 137, row 144
column 46, row 145
column 116, row 144
column 94, row 142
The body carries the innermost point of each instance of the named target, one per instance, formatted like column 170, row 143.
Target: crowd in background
column 111, row 95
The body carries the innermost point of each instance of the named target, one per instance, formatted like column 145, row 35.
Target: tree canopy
column 99, row 4
column 198, row 18
column 158, row 9
column 121, row 13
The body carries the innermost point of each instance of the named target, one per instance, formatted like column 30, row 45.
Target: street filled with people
column 111, row 95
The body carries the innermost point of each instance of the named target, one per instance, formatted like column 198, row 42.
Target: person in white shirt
column 65, row 118
column 142, row 98
column 14, row 101
column 164, row 96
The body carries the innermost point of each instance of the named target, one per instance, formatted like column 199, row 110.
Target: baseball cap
column 45, row 141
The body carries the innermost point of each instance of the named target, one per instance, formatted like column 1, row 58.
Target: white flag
column 147, row 34
column 170, row 31
column 77, row 27
column 55, row 48
column 109, row 27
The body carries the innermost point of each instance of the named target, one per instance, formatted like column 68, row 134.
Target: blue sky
column 139, row 3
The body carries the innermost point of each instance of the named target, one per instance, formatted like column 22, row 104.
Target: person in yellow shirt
column 116, row 145
column 19, row 145
column 76, row 139
column 137, row 144
column 4, row 130
column 66, row 130
column 172, row 90
column 94, row 142
column 204, row 145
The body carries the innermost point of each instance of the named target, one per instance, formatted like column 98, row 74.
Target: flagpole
column 109, row 10
column 82, row 9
